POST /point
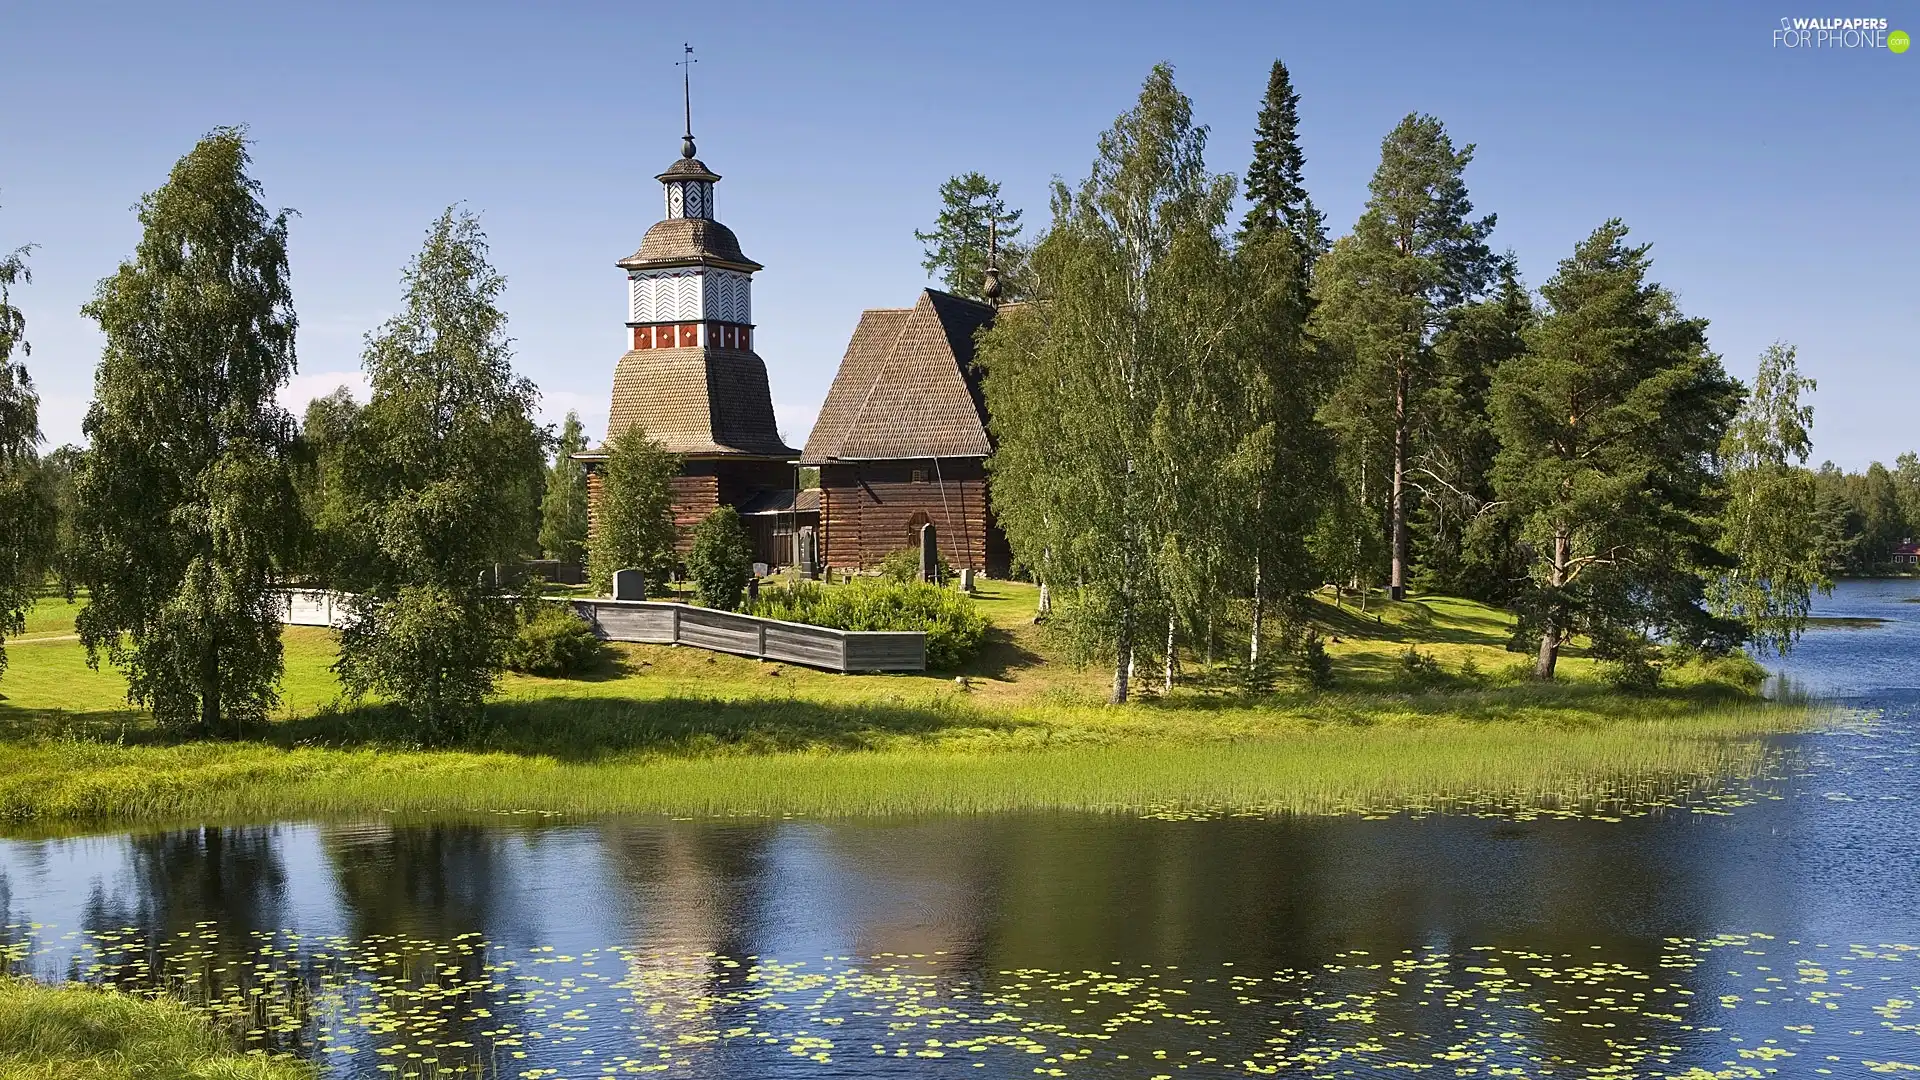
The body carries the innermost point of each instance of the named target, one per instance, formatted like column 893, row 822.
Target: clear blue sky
column 1778, row 188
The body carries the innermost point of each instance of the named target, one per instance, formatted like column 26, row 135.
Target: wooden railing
column 656, row 623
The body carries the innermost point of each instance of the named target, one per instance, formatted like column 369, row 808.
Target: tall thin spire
column 686, row 96
column 990, row 288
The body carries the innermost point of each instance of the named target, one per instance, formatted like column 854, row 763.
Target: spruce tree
column 1385, row 291
column 563, row 509
column 1276, row 186
column 1609, row 427
column 972, row 216
column 186, row 502
column 436, row 473
column 26, row 512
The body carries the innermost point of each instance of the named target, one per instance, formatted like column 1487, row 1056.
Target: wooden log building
column 902, row 440
column 690, row 378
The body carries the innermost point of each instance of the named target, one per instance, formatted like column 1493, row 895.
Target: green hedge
column 952, row 623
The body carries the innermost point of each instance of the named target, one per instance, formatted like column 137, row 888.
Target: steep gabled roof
column 907, row 387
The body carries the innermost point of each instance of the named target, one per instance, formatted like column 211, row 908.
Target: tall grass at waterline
column 1232, row 764
column 82, row 1033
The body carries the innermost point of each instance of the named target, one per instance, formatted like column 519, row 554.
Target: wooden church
column 690, row 378
column 901, row 440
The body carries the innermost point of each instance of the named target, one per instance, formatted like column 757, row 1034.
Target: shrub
column 721, row 560
column 950, row 619
column 1317, row 664
column 550, row 639
column 903, row 566
column 1421, row 666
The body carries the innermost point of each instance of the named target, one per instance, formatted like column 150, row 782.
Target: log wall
column 870, row 509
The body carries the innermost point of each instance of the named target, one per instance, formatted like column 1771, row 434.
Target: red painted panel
column 689, row 335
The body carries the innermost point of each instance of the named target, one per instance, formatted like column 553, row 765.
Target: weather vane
column 685, row 64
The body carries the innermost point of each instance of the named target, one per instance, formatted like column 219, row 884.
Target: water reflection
column 1047, row 944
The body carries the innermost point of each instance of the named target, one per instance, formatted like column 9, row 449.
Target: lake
column 1779, row 934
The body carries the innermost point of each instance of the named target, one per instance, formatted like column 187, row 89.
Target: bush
column 1421, row 667
column 721, row 560
column 1317, row 664
column 903, row 566
column 551, row 640
column 950, row 619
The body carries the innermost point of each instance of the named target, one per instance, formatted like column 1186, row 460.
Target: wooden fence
column 656, row 623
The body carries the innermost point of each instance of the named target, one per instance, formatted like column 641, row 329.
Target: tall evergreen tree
column 1609, row 427
column 186, row 503
column 563, row 510
column 972, row 216
column 634, row 528
column 1771, row 530
column 1105, row 398
column 1384, row 292
column 436, row 472
column 1276, row 186
column 26, row 519
column 1462, row 545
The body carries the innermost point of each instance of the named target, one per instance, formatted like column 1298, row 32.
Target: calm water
column 1780, row 938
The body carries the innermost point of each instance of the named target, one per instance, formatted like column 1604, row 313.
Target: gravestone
column 966, row 580
column 629, row 585
column 809, row 553
column 929, row 554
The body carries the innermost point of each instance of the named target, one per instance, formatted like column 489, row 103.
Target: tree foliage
column 635, row 527
column 1116, row 403
column 1609, row 428
column 186, row 505
column 956, row 249
column 1386, row 290
column 437, row 474
column 26, row 512
column 1771, row 530
column 720, row 561
column 334, row 541
column 1276, row 185
column 563, row 509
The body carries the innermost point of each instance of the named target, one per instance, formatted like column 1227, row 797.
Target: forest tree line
column 1198, row 420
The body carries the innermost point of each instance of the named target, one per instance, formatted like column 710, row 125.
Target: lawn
column 683, row 731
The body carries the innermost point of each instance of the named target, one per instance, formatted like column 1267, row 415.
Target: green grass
column 80, row 1033
column 682, row 731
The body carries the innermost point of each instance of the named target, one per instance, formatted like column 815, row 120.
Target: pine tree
column 437, row 473
column 634, row 527
column 1771, row 530
column 563, row 510
column 1386, row 291
column 26, row 512
column 971, row 214
column 1609, row 426
column 1276, row 187
column 186, row 502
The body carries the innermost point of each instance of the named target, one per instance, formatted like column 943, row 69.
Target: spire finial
column 990, row 288
column 686, row 96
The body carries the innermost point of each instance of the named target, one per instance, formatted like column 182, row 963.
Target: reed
column 56, row 1033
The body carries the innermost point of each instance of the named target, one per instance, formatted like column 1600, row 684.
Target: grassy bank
column 681, row 731
column 77, row 1033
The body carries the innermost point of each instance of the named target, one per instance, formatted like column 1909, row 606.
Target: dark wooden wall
column 871, row 509
column 704, row 484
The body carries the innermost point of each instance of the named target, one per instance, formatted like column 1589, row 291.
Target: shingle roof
column 907, row 387
column 697, row 401
column 688, row 168
column 686, row 242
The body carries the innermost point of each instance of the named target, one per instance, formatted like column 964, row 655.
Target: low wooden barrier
column 652, row 622
column 655, row 623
